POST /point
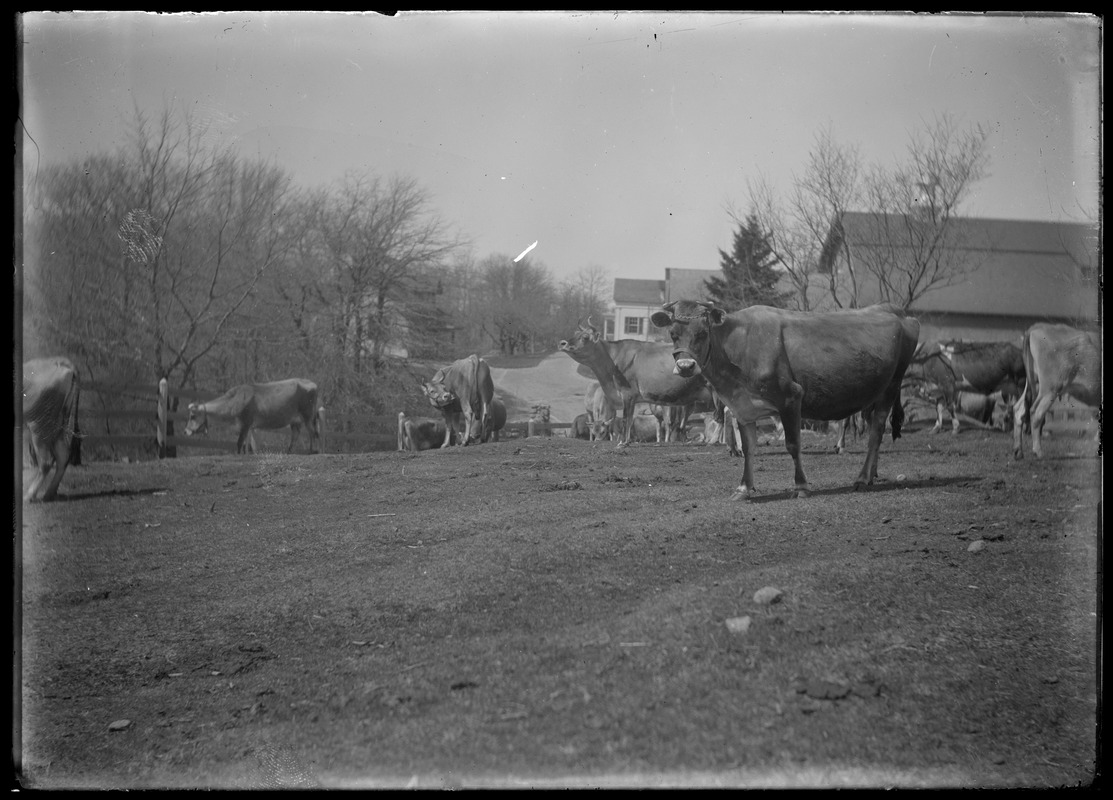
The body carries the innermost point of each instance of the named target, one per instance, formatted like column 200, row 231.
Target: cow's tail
column 319, row 427
column 896, row 417
column 72, row 432
column 1031, row 383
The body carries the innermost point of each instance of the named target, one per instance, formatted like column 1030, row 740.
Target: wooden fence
column 352, row 434
column 151, row 409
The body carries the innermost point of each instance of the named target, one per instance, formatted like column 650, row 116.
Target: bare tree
column 518, row 301
column 383, row 247
column 916, row 240
column 162, row 243
column 920, row 243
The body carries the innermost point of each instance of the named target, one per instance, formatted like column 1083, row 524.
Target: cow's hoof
column 741, row 494
column 860, row 486
column 801, row 493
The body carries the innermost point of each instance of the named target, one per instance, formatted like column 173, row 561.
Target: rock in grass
column 738, row 624
column 976, row 547
column 768, row 596
column 120, row 725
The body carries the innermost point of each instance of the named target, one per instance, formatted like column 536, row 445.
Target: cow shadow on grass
column 73, row 496
column 881, row 485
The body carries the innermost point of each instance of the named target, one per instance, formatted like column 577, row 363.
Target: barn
column 1001, row 275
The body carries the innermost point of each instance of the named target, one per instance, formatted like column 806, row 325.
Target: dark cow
column 266, row 406
column 421, row 433
column 498, row 420
column 468, row 383
column 1058, row 359
column 581, row 427
column 950, row 368
column 822, row 366
column 51, row 391
column 632, row 372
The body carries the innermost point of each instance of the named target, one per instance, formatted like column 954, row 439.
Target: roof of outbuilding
column 638, row 292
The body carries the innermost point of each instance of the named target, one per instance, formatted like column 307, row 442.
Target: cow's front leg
column 748, row 435
column 938, row 417
column 954, row 417
column 449, row 425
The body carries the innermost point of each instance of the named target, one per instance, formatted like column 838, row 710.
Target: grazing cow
column 1058, row 359
column 51, row 390
column 822, row 366
column 468, row 382
column 632, row 372
column 581, row 427
column 538, row 424
column 420, row 433
column 266, row 406
column 601, row 412
column 949, row 368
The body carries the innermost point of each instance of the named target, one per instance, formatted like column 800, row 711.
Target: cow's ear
column 716, row 316
column 662, row 319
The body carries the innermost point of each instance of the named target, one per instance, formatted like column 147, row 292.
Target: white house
column 636, row 299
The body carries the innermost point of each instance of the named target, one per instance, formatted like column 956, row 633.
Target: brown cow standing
column 51, row 390
column 952, row 368
column 764, row 360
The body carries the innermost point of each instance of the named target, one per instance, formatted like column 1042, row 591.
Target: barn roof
column 1015, row 267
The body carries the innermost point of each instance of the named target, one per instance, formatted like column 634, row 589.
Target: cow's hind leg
column 61, row 461
column 295, row 434
column 790, row 423
column 877, row 415
column 1038, row 417
column 40, row 461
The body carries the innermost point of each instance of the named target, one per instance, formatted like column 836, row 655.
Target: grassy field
column 551, row 612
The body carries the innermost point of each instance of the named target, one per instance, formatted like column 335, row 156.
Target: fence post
column 161, row 431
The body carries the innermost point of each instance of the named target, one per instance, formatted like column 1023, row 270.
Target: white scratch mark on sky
column 523, row 253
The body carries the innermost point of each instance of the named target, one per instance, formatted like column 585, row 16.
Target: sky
column 613, row 140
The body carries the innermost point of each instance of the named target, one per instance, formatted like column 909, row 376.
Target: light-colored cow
column 265, row 406
column 1058, row 359
column 51, row 390
column 464, row 387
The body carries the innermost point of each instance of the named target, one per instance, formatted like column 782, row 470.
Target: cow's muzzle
column 686, row 366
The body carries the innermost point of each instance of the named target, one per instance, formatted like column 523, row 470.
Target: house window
column 635, row 325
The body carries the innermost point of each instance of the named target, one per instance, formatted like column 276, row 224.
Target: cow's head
column 198, row 421
column 584, row 336
column 689, row 325
column 437, row 393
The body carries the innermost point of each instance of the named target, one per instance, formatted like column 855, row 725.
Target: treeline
column 168, row 258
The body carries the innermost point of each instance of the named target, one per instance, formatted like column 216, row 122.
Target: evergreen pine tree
column 749, row 271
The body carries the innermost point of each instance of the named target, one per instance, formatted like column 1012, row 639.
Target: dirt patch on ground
column 551, row 612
